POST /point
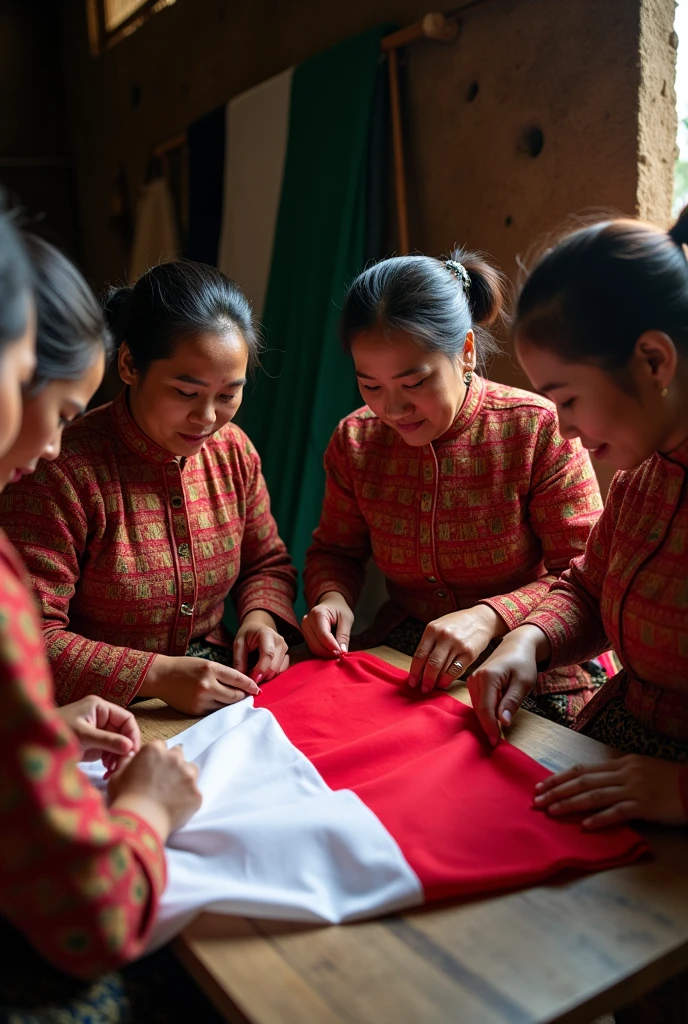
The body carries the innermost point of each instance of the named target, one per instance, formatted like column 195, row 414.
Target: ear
column 656, row 358
column 468, row 356
column 125, row 365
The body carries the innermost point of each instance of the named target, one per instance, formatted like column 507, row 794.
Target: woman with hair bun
column 156, row 509
column 602, row 326
column 461, row 489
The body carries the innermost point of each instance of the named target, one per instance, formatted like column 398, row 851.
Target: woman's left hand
column 258, row 632
column 103, row 730
column 451, row 644
column 629, row 787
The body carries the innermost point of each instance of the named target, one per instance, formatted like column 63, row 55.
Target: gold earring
column 664, row 392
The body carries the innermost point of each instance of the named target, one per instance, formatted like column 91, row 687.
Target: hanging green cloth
column 322, row 240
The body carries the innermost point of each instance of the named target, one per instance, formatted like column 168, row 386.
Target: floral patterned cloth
column 81, row 883
column 132, row 552
column 490, row 512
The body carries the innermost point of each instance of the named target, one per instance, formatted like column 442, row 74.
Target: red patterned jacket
column 82, row 884
column 490, row 512
column 630, row 590
column 132, row 553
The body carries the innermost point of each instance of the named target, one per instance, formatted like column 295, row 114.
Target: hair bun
column 679, row 232
column 116, row 305
column 488, row 289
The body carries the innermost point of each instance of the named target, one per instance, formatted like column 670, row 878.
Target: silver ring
column 457, row 664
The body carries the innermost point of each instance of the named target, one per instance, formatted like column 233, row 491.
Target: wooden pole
column 433, row 26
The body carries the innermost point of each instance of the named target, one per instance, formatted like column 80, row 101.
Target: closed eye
column 186, row 394
column 228, row 398
column 568, row 403
column 414, row 387
column 371, row 387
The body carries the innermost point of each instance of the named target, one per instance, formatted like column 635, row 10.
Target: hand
column 103, row 730
column 327, row 627
column 629, row 787
column 159, row 785
column 498, row 686
column 258, row 632
column 194, row 685
column 451, row 644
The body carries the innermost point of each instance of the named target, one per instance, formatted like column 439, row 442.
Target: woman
column 79, row 881
column 602, row 326
column 461, row 489
column 156, row 508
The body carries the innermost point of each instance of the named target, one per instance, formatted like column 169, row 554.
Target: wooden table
column 562, row 953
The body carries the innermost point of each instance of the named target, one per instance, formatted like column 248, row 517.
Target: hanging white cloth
column 257, row 130
column 155, row 234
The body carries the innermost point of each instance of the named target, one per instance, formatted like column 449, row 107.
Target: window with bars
column 109, row 21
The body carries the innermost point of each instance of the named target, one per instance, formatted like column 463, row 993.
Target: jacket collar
column 131, row 434
column 471, row 406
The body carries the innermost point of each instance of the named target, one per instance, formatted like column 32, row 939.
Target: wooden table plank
column 562, row 952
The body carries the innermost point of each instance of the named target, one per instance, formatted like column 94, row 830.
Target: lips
column 17, row 474
column 600, row 451
column 408, row 428
column 193, row 438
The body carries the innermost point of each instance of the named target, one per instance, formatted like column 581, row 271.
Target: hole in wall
column 531, row 140
column 472, row 91
column 135, row 95
column 508, row 221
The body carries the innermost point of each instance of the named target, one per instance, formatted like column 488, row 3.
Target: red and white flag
column 340, row 794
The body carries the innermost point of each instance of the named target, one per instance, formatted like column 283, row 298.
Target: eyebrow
column 404, row 373
column 204, row 384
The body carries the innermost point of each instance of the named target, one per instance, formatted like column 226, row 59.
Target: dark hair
column 70, row 324
column 428, row 300
column 171, row 300
column 591, row 296
column 15, row 282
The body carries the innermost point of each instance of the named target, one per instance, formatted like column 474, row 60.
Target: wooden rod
column 433, row 26
column 398, row 143
column 163, row 148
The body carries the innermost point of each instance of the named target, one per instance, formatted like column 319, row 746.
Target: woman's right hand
column 159, row 786
column 327, row 626
column 498, row 686
column 194, row 685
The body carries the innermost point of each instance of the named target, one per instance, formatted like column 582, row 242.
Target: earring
column 664, row 392
column 467, row 378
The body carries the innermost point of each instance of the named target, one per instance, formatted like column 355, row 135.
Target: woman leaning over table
column 602, row 326
column 156, row 509
column 79, row 881
column 462, row 490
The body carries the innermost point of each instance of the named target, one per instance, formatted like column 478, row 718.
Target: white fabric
column 155, row 232
column 257, row 129
column 272, row 839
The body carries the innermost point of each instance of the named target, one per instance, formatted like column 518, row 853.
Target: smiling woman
column 602, row 324
column 156, row 509
column 462, row 490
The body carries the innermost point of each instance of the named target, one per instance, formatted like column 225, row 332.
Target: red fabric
column 460, row 811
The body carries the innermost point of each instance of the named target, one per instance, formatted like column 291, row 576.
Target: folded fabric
column 340, row 794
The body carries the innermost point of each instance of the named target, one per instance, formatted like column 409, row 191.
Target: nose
column 397, row 406
column 567, row 429
column 203, row 414
column 52, row 448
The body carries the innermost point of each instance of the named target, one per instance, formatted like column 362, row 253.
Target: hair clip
column 460, row 272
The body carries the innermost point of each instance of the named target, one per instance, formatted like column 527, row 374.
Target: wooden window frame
column 101, row 39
